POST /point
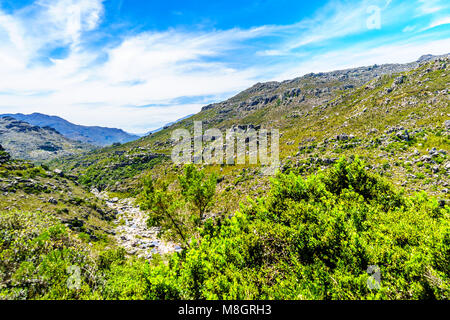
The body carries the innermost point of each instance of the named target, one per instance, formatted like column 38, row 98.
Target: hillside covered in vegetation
column 397, row 121
column 309, row 238
column 362, row 187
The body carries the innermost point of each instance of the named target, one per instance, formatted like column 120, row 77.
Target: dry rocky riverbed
column 131, row 230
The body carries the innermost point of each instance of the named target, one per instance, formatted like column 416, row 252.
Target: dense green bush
column 39, row 259
column 316, row 239
column 178, row 213
column 197, row 189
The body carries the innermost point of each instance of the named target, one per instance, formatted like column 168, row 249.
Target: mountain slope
column 99, row 136
column 321, row 117
column 25, row 141
column 316, row 231
column 167, row 125
column 30, row 188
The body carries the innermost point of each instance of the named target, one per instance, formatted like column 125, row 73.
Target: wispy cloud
column 147, row 68
column 439, row 22
column 429, row 6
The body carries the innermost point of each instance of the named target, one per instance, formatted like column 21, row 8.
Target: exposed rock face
column 28, row 142
column 48, row 146
column 308, row 91
column 447, row 124
column 399, row 80
column 425, row 58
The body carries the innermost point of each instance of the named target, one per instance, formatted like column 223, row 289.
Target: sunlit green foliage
column 99, row 177
column 165, row 210
column 198, row 189
column 39, row 259
column 312, row 238
column 315, row 239
column 178, row 212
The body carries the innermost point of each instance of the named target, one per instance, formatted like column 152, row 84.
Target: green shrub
column 37, row 257
column 315, row 239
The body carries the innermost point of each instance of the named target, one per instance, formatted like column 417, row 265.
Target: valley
column 395, row 121
column 363, row 181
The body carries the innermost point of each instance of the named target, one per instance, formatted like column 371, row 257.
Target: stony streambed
column 131, row 230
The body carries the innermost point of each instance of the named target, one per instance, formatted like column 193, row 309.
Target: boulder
column 447, row 124
column 342, row 137
column 399, row 80
column 58, row 172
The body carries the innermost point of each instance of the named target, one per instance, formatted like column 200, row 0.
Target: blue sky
column 137, row 65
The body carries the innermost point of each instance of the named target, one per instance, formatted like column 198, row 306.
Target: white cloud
column 332, row 21
column 429, row 6
column 336, row 20
column 68, row 18
column 439, row 22
column 148, row 68
column 47, row 24
column 409, row 28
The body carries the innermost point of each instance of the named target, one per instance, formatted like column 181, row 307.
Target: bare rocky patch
column 132, row 232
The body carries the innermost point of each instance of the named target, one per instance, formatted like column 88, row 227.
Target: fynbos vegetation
column 357, row 207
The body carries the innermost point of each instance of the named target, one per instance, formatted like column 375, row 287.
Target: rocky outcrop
column 308, row 91
column 447, row 124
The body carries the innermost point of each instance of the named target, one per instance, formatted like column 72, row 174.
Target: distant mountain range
column 25, row 141
column 167, row 125
column 98, row 136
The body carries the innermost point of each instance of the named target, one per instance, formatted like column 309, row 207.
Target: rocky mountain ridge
column 25, row 141
column 94, row 135
column 321, row 117
column 308, row 91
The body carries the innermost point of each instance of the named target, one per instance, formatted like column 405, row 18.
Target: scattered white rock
column 132, row 232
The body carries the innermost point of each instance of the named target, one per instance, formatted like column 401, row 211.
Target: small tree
column 167, row 209
column 198, row 190
column 163, row 207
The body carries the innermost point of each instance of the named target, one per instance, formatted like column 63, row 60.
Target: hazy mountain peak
column 26, row 141
column 95, row 135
